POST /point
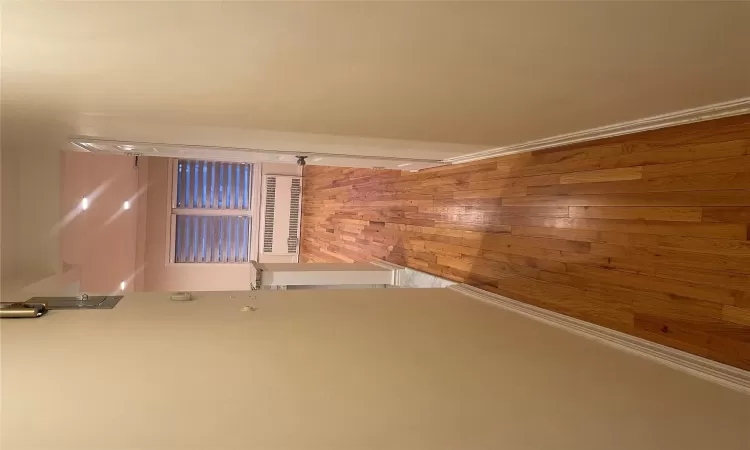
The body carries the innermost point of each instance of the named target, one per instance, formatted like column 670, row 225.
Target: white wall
column 397, row 369
column 39, row 203
column 31, row 202
column 495, row 73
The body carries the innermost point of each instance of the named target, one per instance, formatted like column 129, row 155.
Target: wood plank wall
column 646, row 233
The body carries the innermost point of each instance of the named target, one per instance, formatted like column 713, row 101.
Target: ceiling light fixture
column 126, row 205
column 85, row 203
column 123, row 285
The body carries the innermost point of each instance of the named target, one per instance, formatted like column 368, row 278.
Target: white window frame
column 173, row 211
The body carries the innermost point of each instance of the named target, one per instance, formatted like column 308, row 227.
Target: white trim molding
column 406, row 277
column 398, row 271
column 700, row 114
column 728, row 376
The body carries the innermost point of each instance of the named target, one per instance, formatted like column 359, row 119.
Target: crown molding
column 700, row 114
column 728, row 376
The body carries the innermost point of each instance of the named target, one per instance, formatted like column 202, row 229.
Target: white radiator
column 281, row 214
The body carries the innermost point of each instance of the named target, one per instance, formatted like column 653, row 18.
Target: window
column 211, row 212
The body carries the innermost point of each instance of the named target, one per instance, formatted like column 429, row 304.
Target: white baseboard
column 406, row 277
column 713, row 371
column 703, row 113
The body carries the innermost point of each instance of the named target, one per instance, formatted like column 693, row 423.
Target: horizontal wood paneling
column 676, row 214
column 690, row 198
column 646, row 234
column 598, row 176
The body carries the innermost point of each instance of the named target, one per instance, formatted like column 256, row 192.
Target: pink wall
column 101, row 241
column 163, row 276
column 109, row 245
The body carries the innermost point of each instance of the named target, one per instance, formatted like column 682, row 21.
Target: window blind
column 212, row 239
column 214, row 185
column 212, row 212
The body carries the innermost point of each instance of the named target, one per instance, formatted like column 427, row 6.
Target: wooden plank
column 450, row 249
column 709, row 230
column 556, row 233
column 498, row 211
column 496, row 182
column 681, row 336
column 696, row 198
column 675, row 258
column 615, row 284
column 683, row 310
column 569, row 300
column 621, row 159
column 676, row 214
column 729, row 351
column 687, row 151
column 705, row 245
column 493, row 242
column 543, row 265
column 727, row 214
column 656, row 284
column 705, row 276
column 491, row 193
column 736, row 315
column 703, row 182
column 744, row 302
column 501, row 254
column 684, row 168
column 597, row 176
column 484, row 228
column 473, row 265
column 628, row 239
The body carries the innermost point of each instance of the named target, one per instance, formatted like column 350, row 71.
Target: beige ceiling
column 473, row 73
